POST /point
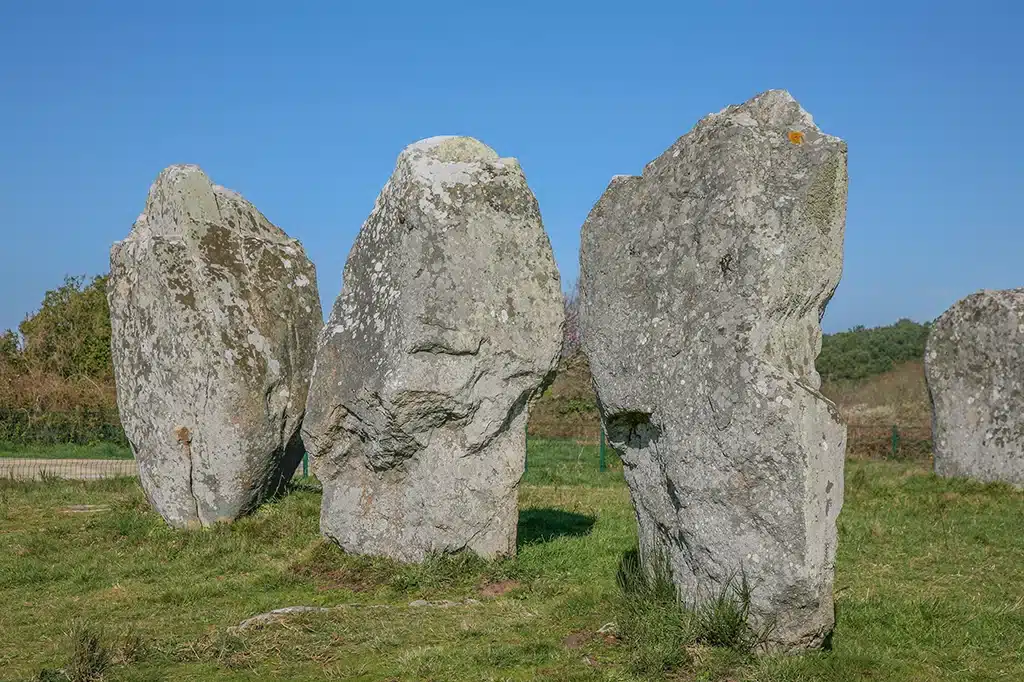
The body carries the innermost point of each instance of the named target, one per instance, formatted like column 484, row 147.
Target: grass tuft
column 663, row 629
column 724, row 619
column 90, row 657
column 651, row 618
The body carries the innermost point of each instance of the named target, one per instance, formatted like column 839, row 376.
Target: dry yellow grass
column 47, row 409
column 896, row 397
column 871, row 408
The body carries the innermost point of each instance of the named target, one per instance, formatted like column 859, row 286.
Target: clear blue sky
column 304, row 110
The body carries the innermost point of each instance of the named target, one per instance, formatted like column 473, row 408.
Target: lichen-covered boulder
column 214, row 314
column 449, row 320
column 974, row 363
column 703, row 282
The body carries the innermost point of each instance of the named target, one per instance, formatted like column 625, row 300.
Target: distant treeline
column 861, row 353
column 57, row 386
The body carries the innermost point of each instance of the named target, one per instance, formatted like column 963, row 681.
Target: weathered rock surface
column 214, row 315
column 703, row 283
column 974, row 363
column 449, row 320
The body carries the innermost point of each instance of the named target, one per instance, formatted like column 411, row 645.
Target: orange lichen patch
column 796, row 137
column 183, row 435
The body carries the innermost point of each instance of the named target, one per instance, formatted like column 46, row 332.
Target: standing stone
column 974, row 363
column 703, row 283
column 449, row 320
column 214, row 314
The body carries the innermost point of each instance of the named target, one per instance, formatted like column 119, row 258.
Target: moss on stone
column 822, row 195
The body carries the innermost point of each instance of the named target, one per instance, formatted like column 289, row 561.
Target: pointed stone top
column 771, row 115
column 183, row 195
column 770, row 106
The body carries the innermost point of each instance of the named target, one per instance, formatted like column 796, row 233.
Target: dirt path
column 81, row 469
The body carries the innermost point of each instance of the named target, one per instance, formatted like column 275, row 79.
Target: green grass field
column 930, row 586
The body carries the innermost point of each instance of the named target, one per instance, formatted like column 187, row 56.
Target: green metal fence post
column 895, row 440
column 600, row 450
column 305, row 465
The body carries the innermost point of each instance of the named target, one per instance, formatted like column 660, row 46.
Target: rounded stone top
column 1010, row 298
column 437, row 163
column 452, row 149
column 989, row 322
column 982, row 305
column 180, row 171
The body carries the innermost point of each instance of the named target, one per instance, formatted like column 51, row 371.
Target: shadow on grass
column 306, row 484
column 544, row 525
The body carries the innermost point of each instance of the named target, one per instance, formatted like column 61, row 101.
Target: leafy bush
column 10, row 351
column 70, row 333
column 79, row 427
column 860, row 352
column 56, row 376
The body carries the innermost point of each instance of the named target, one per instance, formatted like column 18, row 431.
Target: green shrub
column 70, row 333
column 78, row 426
column 861, row 352
column 56, row 377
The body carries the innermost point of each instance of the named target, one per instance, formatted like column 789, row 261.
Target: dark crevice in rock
column 632, row 429
column 184, row 438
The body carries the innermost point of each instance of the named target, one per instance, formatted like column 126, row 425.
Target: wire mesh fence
column 863, row 440
column 900, row 441
column 599, row 452
column 28, row 468
column 42, row 469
